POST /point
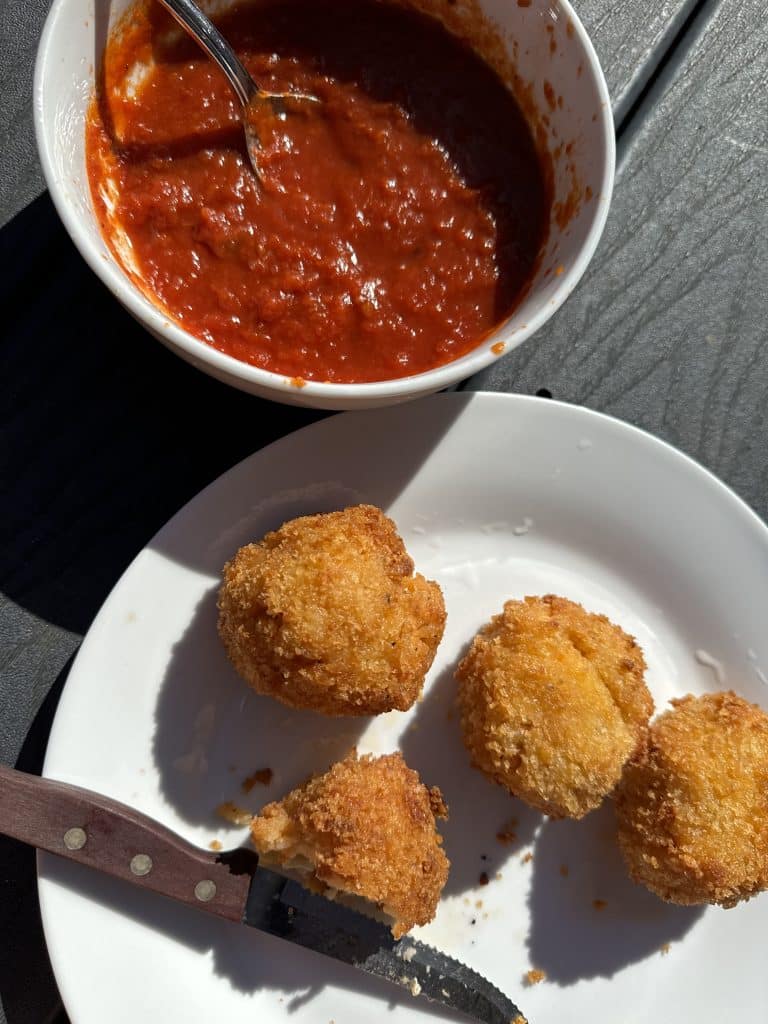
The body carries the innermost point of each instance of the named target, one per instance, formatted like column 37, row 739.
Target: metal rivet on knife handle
column 141, row 864
column 75, row 838
column 205, row 890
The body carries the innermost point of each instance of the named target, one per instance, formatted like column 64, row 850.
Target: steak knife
column 113, row 838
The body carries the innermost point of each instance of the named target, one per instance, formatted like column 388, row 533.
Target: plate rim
column 748, row 517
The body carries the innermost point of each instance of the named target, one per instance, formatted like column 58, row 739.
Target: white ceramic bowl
column 551, row 53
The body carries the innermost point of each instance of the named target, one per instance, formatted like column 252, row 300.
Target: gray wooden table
column 667, row 330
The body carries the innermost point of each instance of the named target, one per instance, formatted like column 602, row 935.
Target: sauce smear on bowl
column 400, row 219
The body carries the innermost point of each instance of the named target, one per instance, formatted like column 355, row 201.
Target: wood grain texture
column 21, row 179
column 629, row 38
column 668, row 328
column 32, row 654
column 43, row 813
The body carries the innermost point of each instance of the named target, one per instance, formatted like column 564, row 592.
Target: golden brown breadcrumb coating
column 325, row 613
column 553, row 703
column 366, row 827
column 693, row 811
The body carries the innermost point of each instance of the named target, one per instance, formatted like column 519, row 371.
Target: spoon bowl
column 259, row 106
column 260, row 112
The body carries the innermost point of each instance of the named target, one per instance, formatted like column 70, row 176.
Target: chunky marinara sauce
column 400, row 218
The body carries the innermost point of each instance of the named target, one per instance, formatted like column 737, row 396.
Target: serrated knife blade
column 286, row 909
column 103, row 834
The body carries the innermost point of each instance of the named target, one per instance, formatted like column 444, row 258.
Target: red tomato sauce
column 400, row 220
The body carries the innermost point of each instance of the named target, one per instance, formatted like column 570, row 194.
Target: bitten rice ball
column 326, row 613
column 693, row 811
column 553, row 703
column 366, row 828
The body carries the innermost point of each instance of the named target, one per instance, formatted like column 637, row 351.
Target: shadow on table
column 371, row 456
column 212, row 731
column 28, row 990
column 248, row 960
column 593, row 921
column 107, row 433
column 117, row 433
column 478, row 810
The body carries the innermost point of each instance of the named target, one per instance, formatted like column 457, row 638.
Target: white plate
column 496, row 496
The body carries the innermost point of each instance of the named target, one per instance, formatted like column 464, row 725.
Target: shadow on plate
column 250, row 961
column 212, row 731
column 588, row 919
column 479, row 810
column 371, row 456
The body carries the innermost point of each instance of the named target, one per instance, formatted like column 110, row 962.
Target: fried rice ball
column 553, row 703
column 325, row 613
column 693, row 811
column 367, row 828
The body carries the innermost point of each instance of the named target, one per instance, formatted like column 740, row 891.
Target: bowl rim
column 254, row 379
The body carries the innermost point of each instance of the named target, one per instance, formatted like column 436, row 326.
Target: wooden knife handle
column 104, row 834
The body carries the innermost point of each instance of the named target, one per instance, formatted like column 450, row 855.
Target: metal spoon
column 258, row 104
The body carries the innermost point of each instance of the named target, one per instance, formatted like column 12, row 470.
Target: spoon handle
column 205, row 33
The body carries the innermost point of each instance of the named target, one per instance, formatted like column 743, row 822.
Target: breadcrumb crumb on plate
column 262, row 777
column 535, row 976
column 507, row 833
column 235, row 815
